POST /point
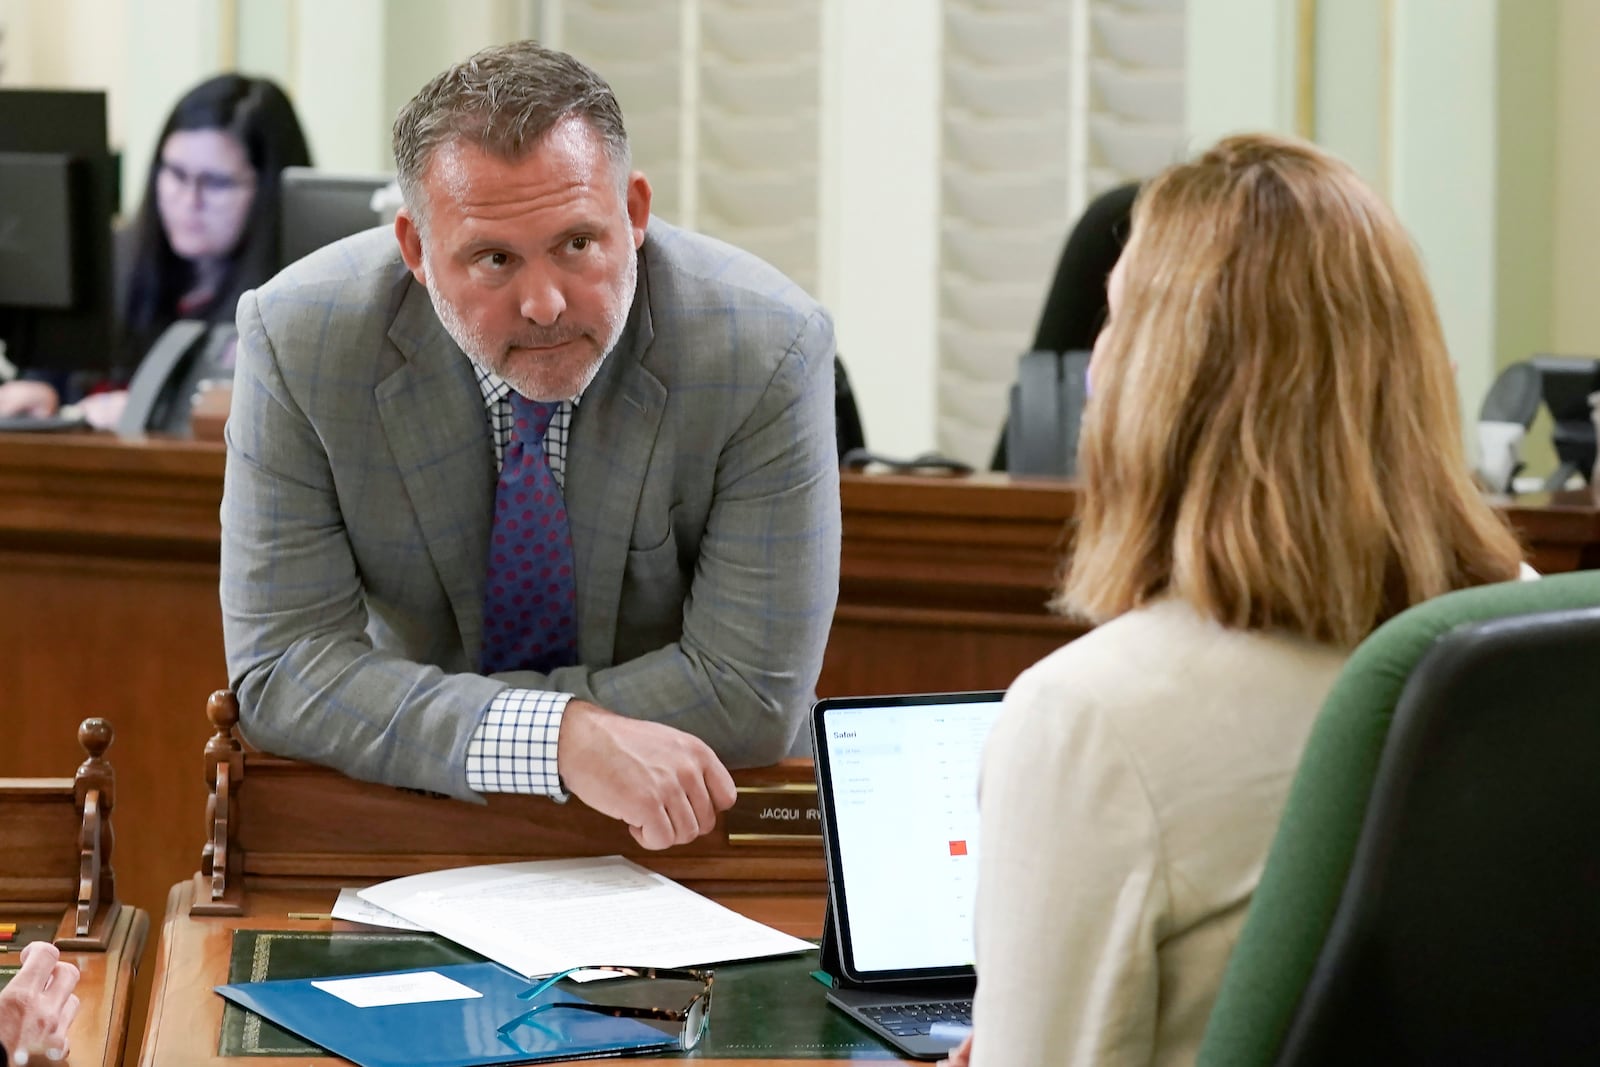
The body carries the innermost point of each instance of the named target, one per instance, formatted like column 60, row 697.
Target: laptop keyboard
column 909, row 1020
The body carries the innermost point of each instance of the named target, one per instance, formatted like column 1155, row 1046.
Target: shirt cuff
column 513, row 750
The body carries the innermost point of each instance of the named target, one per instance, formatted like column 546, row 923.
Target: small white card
column 383, row 990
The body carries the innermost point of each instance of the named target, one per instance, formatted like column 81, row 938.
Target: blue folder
column 449, row 1033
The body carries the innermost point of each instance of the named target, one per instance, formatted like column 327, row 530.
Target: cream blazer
column 1130, row 790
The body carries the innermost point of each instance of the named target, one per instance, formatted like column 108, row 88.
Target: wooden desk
column 105, row 990
column 186, row 1015
column 286, row 836
column 1560, row 530
column 108, row 585
column 944, row 582
column 108, row 582
column 58, row 883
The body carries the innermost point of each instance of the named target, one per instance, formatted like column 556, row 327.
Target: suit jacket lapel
column 613, row 435
column 434, row 421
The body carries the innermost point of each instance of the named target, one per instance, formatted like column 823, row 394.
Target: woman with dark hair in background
column 207, row 227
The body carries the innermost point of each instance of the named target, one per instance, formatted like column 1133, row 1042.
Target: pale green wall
column 1525, row 222
column 360, row 60
column 1444, row 168
column 1449, row 108
column 1239, row 67
column 1576, row 281
column 1351, row 89
column 1485, row 130
column 171, row 45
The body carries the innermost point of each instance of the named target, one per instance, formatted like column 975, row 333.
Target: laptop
column 897, row 785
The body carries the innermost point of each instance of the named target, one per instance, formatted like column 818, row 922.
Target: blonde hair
column 1273, row 434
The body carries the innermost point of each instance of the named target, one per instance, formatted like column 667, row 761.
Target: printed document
column 350, row 906
column 545, row 916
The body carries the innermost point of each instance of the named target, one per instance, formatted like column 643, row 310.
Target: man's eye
column 494, row 260
column 578, row 244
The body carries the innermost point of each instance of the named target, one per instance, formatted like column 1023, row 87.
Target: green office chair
column 1433, row 892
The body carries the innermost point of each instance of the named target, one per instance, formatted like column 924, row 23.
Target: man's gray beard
column 476, row 348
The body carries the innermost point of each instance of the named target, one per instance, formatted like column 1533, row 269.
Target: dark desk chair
column 846, row 413
column 1073, row 313
column 1433, row 892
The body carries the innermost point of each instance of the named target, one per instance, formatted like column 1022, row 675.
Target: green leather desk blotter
column 26, row 933
column 768, row 1009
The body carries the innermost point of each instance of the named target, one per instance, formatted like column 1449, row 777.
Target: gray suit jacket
column 701, row 486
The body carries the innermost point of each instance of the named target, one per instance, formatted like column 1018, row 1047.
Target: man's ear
column 638, row 205
column 409, row 235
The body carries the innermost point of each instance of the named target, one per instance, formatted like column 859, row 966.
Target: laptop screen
column 898, row 782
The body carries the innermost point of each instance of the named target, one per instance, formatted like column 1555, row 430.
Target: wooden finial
column 222, row 708
column 94, row 789
column 217, row 886
column 95, row 735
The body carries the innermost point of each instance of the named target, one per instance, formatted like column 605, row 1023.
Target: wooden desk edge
column 178, row 917
column 134, row 933
column 102, row 1021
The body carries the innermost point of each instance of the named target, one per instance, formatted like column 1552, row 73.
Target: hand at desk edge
column 668, row 786
column 38, row 1005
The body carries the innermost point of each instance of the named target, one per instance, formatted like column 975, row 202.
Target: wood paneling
column 944, row 582
column 1561, row 531
column 108, row 606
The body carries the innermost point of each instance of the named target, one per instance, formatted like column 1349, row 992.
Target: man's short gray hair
column 504, row 100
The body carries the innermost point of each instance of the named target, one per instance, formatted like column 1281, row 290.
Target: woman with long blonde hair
column 1272, row 466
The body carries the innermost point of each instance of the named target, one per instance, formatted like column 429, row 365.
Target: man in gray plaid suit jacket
column 693, row 444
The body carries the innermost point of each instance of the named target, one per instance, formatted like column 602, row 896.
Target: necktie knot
column 531, row 418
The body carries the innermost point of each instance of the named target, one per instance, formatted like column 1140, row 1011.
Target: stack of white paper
column 545, row 916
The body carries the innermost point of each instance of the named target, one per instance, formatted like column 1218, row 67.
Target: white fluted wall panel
column 1046, row 104
column 721, row 99
column 1006, row 154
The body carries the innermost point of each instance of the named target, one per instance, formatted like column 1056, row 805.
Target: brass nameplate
column 775, row 815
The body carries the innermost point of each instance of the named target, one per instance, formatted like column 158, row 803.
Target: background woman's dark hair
column 259, row 115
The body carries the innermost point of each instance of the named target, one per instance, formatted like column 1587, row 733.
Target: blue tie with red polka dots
column 530, row 598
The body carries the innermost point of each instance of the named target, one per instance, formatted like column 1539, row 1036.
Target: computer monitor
column 319, row 207
column 57, row 191
column 1566, row 382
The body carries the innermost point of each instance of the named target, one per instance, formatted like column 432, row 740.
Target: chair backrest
column 1046, row 413
column 1075, row 308
column 1430, row 896
column 846, row 413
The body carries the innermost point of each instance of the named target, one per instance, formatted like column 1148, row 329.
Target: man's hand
column 665, row 784
column 102, row 410
column 34, row 399
column 37, row 1006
